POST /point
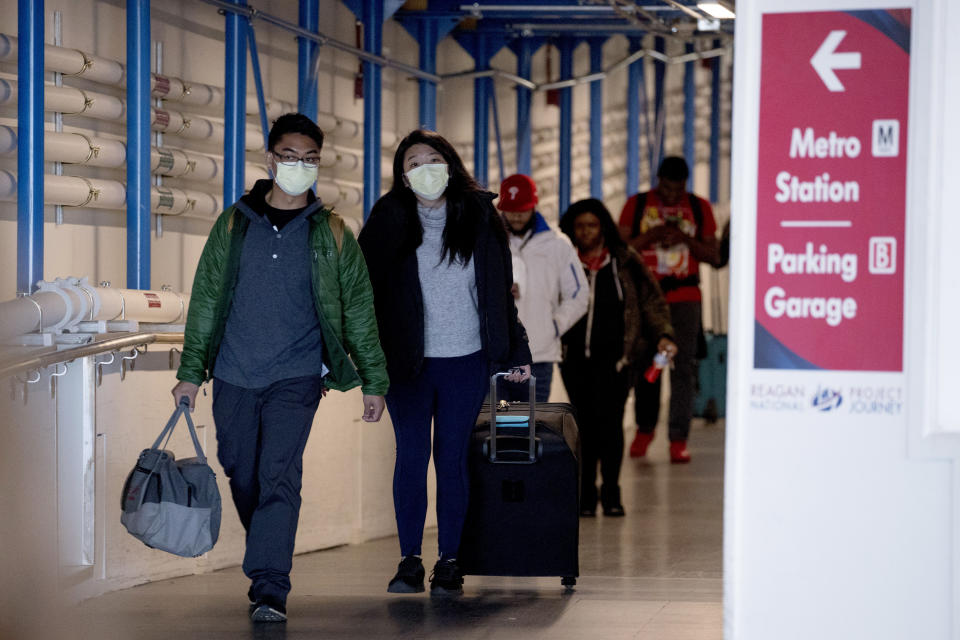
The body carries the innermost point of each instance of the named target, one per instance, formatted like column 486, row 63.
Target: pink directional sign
column 831, row 194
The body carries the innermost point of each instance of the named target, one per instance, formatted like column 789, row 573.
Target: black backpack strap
column 697, row 214
column 641, row 204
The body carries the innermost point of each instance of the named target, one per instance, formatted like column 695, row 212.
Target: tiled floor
column 655, row 574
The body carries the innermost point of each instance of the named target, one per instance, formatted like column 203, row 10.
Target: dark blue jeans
column 261, row 434
column 448, row 392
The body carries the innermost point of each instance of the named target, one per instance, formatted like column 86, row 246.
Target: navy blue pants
column 448, row 391
column 261, row 434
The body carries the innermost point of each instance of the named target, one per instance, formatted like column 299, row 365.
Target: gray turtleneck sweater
column 450, row 315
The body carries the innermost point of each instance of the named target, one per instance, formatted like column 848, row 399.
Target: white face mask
column 295, row 179
column 428, row 181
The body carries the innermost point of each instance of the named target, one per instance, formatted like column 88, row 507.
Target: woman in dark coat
column 440, row 266
column 627, row 312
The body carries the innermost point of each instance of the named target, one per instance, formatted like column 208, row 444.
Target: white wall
column 843, row 526
column 348, row 464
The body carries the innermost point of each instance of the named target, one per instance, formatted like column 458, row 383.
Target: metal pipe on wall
column 61, row 305
column 73, row 62
column 30, row 28
column 234, row 113
column 138, row 144
column 71, row 101
column 96, row 193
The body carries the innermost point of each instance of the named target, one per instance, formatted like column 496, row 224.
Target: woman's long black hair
column 464, row 204
column 611, row 235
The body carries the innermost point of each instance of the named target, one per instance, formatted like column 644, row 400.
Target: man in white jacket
column 550, row 289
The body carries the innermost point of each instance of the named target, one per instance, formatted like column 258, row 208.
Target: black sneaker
column 268, row 609
column 446, row 579
column 409, row 578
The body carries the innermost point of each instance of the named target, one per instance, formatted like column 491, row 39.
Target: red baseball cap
column 517, row 193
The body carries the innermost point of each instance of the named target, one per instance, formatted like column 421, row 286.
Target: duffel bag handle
column 493, row 416
column 182, row 409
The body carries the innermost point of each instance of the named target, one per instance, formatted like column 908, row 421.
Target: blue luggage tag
column 513, row 422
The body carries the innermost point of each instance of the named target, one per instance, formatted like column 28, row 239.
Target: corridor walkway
column 653, row 575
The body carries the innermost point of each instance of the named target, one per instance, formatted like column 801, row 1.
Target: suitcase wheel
column 569, row 582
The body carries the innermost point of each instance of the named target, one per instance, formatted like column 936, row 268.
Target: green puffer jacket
column 341, row 292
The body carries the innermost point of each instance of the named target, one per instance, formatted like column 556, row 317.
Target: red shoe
column 679, row 453
column 638, row 448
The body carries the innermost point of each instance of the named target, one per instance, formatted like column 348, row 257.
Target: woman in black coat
column 441, row 271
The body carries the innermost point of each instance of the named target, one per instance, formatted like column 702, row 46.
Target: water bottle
column 660, row 360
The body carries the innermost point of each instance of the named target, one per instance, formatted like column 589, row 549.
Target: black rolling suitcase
column 523, row 516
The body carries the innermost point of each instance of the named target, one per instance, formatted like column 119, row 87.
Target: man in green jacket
column 281, row 310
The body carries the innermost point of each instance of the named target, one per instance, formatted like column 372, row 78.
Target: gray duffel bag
column 169, row 504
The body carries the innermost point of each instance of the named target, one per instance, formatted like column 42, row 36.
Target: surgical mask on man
column 294, row 179
column 428, row 181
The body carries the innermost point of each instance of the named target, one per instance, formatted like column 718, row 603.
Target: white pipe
column 95, row 193
column 71, row 101
column 60, row 305
column 73, row 62
column 70, row 62
column 143, row 306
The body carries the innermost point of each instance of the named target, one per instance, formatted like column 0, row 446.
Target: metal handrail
column 94, row 348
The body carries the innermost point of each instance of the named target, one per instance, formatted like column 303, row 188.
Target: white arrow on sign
column 826, row 60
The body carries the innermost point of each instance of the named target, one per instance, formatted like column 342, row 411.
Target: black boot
column 610, row 498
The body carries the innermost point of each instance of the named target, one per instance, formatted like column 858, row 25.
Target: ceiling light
column 717, row 10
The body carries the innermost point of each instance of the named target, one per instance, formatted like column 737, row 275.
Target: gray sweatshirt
column 450, row 315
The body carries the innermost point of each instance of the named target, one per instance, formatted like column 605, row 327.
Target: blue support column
column 634, row 80
column 428, row 31
column 372, row 18
column 234, row 107
column 660, row 72
column 596, row 120
column 428, row 40
column 524, row 100
column 566, row 124
column 689, row 114
column 481, row 113
column 30, row 146
column 715, row 127
column 258, row 81
column 306, row 57
column 138, row 144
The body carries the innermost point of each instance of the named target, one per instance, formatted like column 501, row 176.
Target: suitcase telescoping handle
column 532, row 456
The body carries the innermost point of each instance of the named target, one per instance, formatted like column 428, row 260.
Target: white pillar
column 843, row 491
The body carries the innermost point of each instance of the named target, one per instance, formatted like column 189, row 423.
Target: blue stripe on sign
column 576, row 279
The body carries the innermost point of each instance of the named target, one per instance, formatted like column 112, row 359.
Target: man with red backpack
column 674, row 231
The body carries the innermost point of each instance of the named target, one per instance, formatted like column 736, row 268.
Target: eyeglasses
column 292, row 160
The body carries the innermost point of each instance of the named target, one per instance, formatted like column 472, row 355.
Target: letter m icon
column 886, row 138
